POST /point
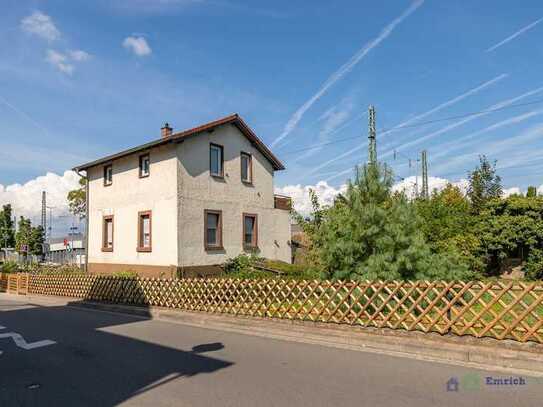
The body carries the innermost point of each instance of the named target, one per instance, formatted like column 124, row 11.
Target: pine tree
column 371, row 234
column 532, row 192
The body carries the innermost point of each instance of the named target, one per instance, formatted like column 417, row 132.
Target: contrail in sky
column 459, row 123
column 443, row 105
column 345, row 69
column 461, row 142
column 515, row 35
column 26, row 116
column 498, row 105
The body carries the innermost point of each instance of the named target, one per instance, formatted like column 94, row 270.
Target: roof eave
column 179, row 137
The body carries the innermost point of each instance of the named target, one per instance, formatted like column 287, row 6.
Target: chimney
column 166, row 131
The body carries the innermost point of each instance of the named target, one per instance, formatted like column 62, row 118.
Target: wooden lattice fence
column 483, row 309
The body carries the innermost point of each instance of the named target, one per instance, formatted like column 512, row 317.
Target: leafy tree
column 7, row 232
column 448, row 223
column 310, row 227
column 31, row 237
column 446, row 214
column 532, row 192
column 23, row 237
column 371, row 234
column 37, row 240
column 534, row 265
column 510, row 228
column 484, row 184
column 77, row 199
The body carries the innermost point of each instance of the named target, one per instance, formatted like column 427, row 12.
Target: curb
column 482, row 353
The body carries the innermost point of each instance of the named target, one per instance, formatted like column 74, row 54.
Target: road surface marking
column 21, row 343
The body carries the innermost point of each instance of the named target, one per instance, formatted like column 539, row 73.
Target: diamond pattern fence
column 501, row 310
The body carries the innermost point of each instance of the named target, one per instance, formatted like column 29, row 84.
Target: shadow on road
column 100, row 359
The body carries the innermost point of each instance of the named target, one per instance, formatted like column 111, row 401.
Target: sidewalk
column 489, row 354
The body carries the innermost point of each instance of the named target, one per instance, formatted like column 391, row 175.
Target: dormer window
column 108, row 175
column 216, row 160
column 145, row 166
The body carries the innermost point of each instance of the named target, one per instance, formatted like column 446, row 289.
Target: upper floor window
column 246, row 167
column 144, row 231
column 145, row 164
column 107, row 234
column 213, row 229
column 216, row 160
column 250, row 230
column 108, row 174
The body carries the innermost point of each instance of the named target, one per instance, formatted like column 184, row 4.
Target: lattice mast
column 372, row 141
column 44, row 211
column 424, row 160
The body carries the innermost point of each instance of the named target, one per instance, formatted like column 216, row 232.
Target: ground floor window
column 144, row 231
column 213, row 229
column 250, row 230
column 107, row 234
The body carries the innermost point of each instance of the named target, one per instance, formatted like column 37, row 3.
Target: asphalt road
column 106, row 359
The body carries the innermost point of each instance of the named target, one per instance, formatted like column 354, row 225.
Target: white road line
column 21, row 343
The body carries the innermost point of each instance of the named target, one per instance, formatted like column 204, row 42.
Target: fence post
column 449, row 310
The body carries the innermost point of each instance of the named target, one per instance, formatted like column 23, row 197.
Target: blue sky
column 82, row 79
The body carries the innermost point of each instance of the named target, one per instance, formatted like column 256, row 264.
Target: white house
column 185, row 203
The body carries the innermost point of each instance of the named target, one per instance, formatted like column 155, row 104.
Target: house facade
column 185, row 203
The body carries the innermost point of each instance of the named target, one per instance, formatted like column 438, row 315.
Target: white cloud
column 26, row 199
column 138, row 45
column 300, row 195
column 41, row 25
column 409, row 185
column 59, row 61
column 511, row 191
column 64, row 62
column 345, row 69
column 79, row 55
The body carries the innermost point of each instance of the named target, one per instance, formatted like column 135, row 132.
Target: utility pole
column 424, row 160
column 372, row 141
column 44, row 211
column 50, row 230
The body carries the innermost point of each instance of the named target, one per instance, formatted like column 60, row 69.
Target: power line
column 462, row 116
column 538, row 101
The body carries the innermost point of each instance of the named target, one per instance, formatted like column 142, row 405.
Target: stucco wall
column 198, row 191
column 177, row 192
column 129, row 195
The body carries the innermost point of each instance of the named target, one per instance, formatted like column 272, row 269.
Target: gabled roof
column 180, row 136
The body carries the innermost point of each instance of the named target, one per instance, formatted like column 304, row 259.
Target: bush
column 51, row 269
column 534, row 265
column 252, row 266
column 240, row 264
column 10, row 267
